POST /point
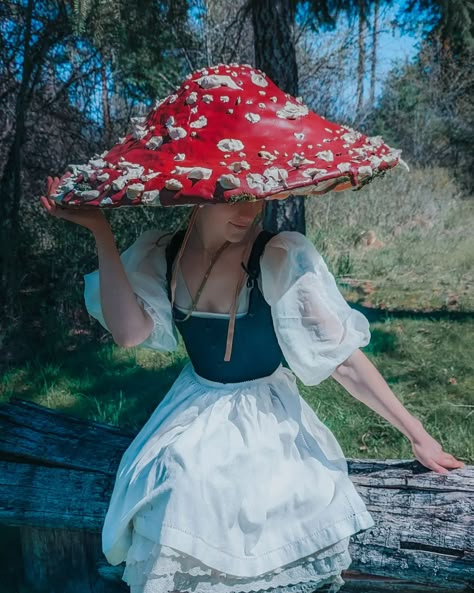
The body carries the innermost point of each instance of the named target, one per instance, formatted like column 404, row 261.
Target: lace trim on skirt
column 155, row 568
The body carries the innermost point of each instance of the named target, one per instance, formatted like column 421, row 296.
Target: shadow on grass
column 96, row 381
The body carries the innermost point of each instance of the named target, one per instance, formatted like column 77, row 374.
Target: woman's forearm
column 125, row 318
column 362, row 380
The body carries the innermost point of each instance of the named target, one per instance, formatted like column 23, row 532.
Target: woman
column 234, row 484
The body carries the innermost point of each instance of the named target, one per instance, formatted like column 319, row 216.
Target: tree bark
column 361, row 59
column 10, row 183
column 105, row 100
column 373, row 65
column 275, row 54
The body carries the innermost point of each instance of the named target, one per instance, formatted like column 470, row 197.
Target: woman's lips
column 239, row 226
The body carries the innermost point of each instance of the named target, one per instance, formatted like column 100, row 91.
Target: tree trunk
column 105, row 101
column 273, row 22
column 361, row 58
column 10, row 182
column 375, row 33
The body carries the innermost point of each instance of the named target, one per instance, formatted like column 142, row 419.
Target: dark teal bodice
column 255, row 351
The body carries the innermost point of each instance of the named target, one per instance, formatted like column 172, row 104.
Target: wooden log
column 57, row 475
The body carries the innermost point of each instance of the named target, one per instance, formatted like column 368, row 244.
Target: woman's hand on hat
column 90, row 219
column 430, row 453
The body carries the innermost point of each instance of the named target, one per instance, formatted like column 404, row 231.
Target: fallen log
column 57, row 475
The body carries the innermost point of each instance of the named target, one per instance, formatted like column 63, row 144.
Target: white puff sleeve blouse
column 316, row 329
column 144, row 263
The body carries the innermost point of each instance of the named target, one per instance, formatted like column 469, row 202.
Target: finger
column 46, row 203
column 438, row 468
column 455, row 462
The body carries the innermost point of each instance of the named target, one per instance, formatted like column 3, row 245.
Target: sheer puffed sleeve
column 316, row 328
column 144, row 263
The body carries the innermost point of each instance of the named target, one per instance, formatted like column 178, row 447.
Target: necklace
column 204, row 280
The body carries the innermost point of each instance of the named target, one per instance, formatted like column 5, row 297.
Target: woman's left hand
column 430, row 453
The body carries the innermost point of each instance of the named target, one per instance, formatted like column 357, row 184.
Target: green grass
column 427, row 364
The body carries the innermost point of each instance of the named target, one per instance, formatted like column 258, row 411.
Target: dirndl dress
column 234, row 485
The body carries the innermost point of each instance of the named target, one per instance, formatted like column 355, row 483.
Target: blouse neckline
column 243, row 301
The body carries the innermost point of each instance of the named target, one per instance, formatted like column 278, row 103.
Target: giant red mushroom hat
column 228, row 133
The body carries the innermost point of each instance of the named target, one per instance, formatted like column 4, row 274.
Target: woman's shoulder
column 293, row 248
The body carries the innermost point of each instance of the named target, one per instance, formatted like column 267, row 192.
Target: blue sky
column 393, row 46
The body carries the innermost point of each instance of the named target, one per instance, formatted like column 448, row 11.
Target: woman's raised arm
column 126, row 319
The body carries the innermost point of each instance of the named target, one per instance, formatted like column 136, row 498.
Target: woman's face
column 230, row 221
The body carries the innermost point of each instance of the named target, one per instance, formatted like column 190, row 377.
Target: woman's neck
column 210, row 241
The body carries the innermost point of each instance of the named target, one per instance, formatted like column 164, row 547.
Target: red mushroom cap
column 228, row 133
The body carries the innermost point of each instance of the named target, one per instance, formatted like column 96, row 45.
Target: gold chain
column 204, row 280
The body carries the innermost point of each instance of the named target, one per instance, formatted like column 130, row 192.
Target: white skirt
column 233, row 488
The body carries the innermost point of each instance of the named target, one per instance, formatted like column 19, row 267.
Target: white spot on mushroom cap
column 274, row 99
column 173, row 184
column 170, row 121
column 230, row 111
column 249, row 102
column 177, row 133
column 191, row 98
column 224, row 99
column 229, row 181
column 103, row 177
column 120, row 182
column 149, row 197
column 122, row 139
column 89, row 194
column 292, row 111
column 194, row 172
column 138, row 132
column 106, row 201
column 365, row 170
column 229, row 145
column 179, row 157
column 149, row 176
column 272, row 179
column 207, row 98
column 258, row 79
column 313, row 172
column 374, row 140
column 154, row 142
column 298, row 135
column 268, row 156
column 261, row 105
column 325, row 155
column 252, row 117
column 344, row 167
column 215, row 80
column 276, row 174
column 98, row 163
column 193, row 110
column 262, row 93
column 199, row 123
column 238, row 166
column 375, row 161
column 158, row 102
column 298, row 160
column 134, row 190
column 173, row 98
